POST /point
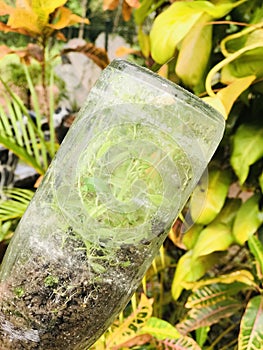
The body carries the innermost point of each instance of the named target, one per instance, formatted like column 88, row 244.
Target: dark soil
column 50, row 305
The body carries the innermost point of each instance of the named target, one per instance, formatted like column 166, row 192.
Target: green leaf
column 248, row 220
column 145, row 9
column 160, row 329
column 206, row 316
column 219, row 181
column 202, row 335
column 173, row 24
column 198, row 41
column 256, row 248
column 190, row 270
column 16, row 204
column 251, row 330
column 191, row 236
column 247, row 149
column 169, row 28
column 215, row 237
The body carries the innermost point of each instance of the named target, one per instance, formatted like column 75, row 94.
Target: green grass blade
column 21, row 152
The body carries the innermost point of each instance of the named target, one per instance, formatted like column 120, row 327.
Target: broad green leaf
column 247, row 149
column 248, row 220
column 197, row 42
column 206, row 316
column 247, row 64
column 190, row 270
column 228, row 213
column 173, row 24
column 160, row 329
column 256, row 248
column 219, row 181
column 191, row 236
column 169, row 28
column 240, row 276
column 251, row 329
column 212, row 294
column 215, row 237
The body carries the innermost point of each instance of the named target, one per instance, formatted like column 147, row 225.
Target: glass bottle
column 122, row 175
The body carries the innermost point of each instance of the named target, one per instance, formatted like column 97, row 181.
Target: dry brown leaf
column 110, row 4
column 97, row 55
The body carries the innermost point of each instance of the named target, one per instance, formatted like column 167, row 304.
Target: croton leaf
column 173, row 24
column 182, row 343
column 206, row 316
column 160, row 329
column 195, row 52
column 219, row 181
column 248, row 219
column 247, row 149
column 190, row 270
column 251, row 331
column 121, row 332
column 215, row 237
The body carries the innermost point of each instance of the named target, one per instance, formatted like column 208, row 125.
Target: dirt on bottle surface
column 50, row 305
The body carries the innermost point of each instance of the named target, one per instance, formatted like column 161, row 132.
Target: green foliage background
column 204, row 290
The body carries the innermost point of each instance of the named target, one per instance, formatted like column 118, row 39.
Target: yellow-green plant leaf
column 248, row 220
column 144, row 42
column 226, row 97
column 228, row 213
column 219, row 181
column 169, row 28
column 173, row 24
column 122, row 332
column 247, row 149
column 190, row 270
column 215, row 237
column 239, row 276
column 197, row 43
column 251, row 330
column 216, row 102
column 145, row 9
column 256, row 248
column 206, row 316
column 160, row 329
column 191, row 236
column 229, row 94
column 248, row 63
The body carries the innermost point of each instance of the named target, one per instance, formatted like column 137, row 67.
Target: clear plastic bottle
column 120, row 178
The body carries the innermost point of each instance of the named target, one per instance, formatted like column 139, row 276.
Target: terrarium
column 122, row 175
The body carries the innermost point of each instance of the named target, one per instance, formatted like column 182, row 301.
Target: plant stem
column 217, row 340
